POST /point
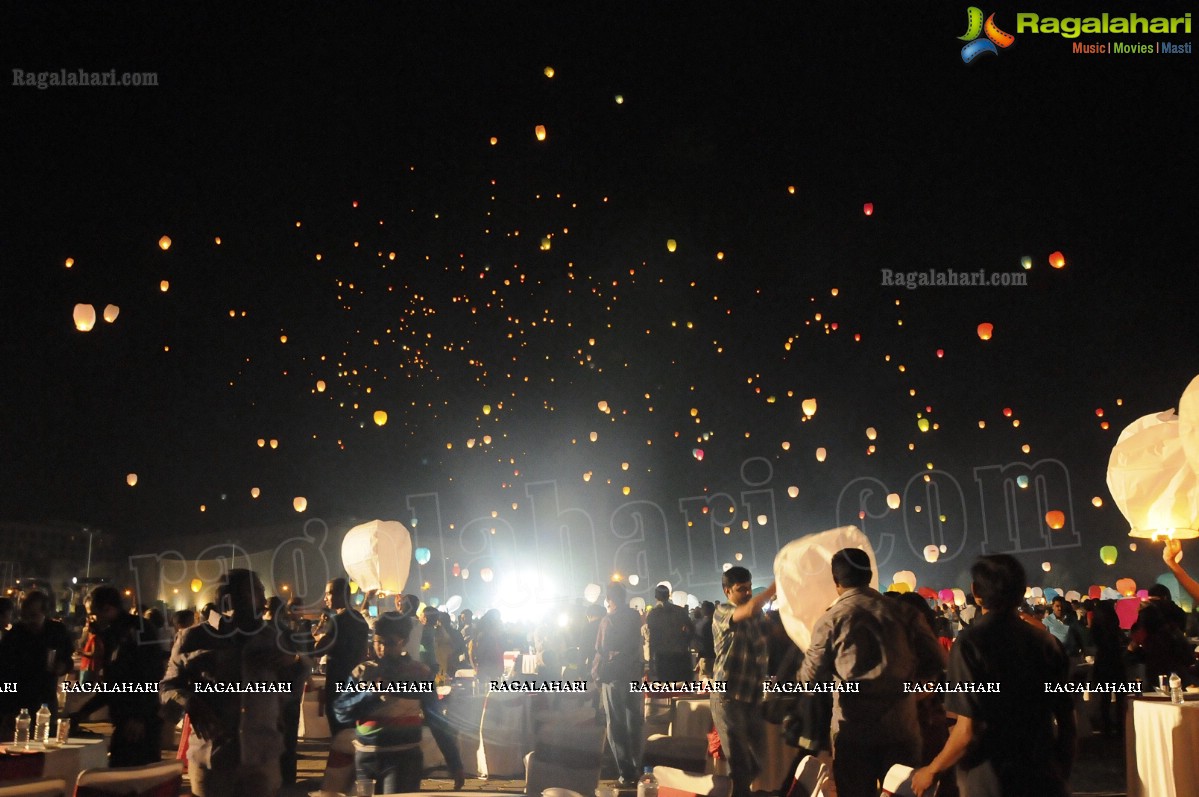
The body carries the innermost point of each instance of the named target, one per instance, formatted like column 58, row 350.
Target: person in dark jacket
column 617, row 662
column 343, row 644
column 130, row 656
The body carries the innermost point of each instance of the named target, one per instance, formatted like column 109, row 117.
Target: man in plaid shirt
column 740, row 643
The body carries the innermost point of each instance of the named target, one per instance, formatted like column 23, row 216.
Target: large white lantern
column 378, row 555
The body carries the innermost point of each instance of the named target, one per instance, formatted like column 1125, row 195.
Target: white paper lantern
column 805, row 580
column 299, row 503
column 111, row 312
column 931, row 553
column 378, row 555
column 1149, row 476
column 84, row 317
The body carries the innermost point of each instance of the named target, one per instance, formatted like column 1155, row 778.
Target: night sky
column 315, row 141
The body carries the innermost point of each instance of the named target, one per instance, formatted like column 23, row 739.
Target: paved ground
column 1099, row 771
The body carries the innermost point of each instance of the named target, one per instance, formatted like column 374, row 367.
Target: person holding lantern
column 1171, row 553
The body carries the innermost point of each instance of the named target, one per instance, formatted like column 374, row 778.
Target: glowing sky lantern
column 196, row 585
column 1108, row 554
column 1055, row 519
column 422, row 556
column 378, row 555
column 131, row 479
column 671, row 244
column 793, row 491
column 809, row 407
column 762, row 520
column 164, row 243
column 70, row 261
column 85, row 317
column 539, row 131
column 871, row 433
column 255, row 492
column 893, row 500
column 905, row 577
column 1058, row 260
column 1126, row 586
column 548, row 71
column 164, row 286
column 380, row 417
column 868, row 208
column 931, row 553
column 486, row 574
column 1026, row 262
column 922, row 424
column 111, row 312
column 1022, row 482
column 1046, row 566
column 320, row 386
column 299, row 503
column 619, row 99
column 821, row 454
column 959, row 597
column 486, row 409
column 546, row 244
column 634, row 579
column 1097, row 502
column 592, row 592
column 602, row 407
column 985, row 330
column 274, row 443
column 626, row 490
column 593, row 436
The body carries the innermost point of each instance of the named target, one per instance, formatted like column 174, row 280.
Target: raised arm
column 1169, row 555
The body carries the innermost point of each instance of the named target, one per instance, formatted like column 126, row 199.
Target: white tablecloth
column 67, row 761
column 1162, row 748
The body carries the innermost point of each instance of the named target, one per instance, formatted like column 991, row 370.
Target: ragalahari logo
column 975, row 27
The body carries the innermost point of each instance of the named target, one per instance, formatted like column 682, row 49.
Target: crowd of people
column 960, row 693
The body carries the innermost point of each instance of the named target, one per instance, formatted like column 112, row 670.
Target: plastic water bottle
column 41, row 731
column 648, row 785
column 1175, row 688
column 22, row 737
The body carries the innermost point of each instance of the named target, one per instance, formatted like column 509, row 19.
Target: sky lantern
column 1058, row 260
column 111, row 312
column 70, row 261
column 164, row 243
column 274, row 443
column 320, row 386
column 546, row 244
column 1022, row 482
column 164, row 286
column 619, row 99
column 422, row 555
column 196, row 585
column 380, row 417
column 493, row 140
column 922, row 424
column 603, row 407
column 905, row 577
column 1026, row 262
column 1046, row 566
column 593, row 436
column 821, row 454
column 131, row 479
column 809, row 407
column 871, row 433
column 1055, row 519
column 592, row 592
column 1097, row 502
column 548, row 71
column 255, row 492
column 985, row 330
column 299, row 503
column 671, row 244
column 539, row 131
column 931, row 553
column 1126, row 586
column 486, row 574
column 85, row 317
column 486, row 439
column 893, row 500
column 793, row 491
column 868, row 208
column 626, row 490
column 940, row 353
column 1108, row 554
column 378, row 555
column 486, row 409
column 1152, row 474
